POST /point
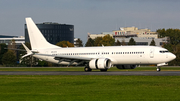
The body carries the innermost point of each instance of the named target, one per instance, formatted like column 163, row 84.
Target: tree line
column 107, row 40
column 172, row 44
column 10, row 57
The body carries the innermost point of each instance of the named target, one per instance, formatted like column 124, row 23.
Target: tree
column 161, row 33
column 2, row 51
column 152, row 43
column 12, row 45
column 9, row 58
column 173, row 45
column 175, row 49
column 107, row 40
column 118, row 43
column 173, row 35
column 79, row 43
column 42, row 63
column 98, row 41
column 132, row 42
column 65, row 44
column 89, row 43
column 123, row 43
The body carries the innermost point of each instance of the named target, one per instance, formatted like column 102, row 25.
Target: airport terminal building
column 141, row 36
column 54, row 32
column 7, row 39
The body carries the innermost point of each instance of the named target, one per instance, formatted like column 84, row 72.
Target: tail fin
column 37, row 40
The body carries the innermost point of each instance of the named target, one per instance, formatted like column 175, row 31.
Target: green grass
column 89, row 88
column 82, row 69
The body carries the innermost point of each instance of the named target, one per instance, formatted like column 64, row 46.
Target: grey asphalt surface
column 145, row 73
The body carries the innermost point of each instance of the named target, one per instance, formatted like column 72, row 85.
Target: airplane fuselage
column 117, row 54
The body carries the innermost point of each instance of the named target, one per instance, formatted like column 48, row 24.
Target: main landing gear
column 158, row 69
column 87, row 69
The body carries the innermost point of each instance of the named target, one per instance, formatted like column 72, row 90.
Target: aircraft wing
column 71, row 59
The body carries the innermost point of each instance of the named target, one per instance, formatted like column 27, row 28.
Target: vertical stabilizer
column 37, row 40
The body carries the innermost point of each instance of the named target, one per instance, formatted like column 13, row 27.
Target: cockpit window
column 164, row 51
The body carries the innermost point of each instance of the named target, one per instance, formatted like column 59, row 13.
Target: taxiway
column 145, row 73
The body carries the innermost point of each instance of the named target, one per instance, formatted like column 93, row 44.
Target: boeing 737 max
column 123, row 57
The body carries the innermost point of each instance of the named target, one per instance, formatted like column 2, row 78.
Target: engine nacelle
column 104, row 63
column 126, row 66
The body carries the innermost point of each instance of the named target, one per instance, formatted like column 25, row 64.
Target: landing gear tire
column 103, row 70
column 87, row 69
column 158, row 69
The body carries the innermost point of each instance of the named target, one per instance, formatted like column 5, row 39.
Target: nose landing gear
column 158, row 69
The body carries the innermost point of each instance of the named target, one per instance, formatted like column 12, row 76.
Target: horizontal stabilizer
column 27, row 50
column 26, row 55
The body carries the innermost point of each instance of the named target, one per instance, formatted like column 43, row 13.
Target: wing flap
column 71, row 59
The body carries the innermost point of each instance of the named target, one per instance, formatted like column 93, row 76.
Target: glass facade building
column 7, row 36
column 54, row 32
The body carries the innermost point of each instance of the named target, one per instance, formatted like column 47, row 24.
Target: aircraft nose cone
column 172, row 56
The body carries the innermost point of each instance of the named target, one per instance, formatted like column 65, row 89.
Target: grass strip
column 89, row 88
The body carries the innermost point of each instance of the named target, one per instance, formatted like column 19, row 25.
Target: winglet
column 28, row 51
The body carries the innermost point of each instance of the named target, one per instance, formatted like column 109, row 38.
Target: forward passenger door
column 151, row 53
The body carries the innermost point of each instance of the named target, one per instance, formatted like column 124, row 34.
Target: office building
column 54, row 32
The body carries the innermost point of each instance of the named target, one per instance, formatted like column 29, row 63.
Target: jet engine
column 126, row 66
column 103, row 63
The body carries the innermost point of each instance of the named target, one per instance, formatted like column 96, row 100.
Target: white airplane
column 103, row 58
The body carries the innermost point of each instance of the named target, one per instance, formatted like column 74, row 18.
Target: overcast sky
column 93, row 16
